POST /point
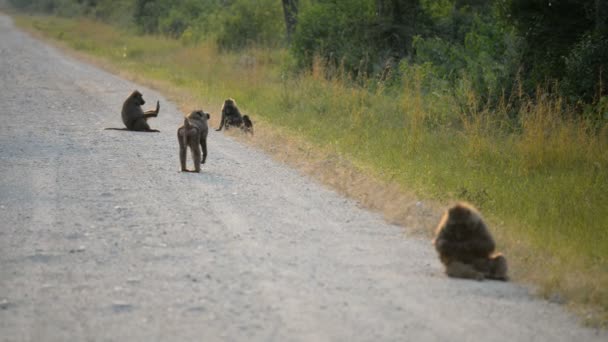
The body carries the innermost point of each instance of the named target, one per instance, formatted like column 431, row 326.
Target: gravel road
column 101, row 238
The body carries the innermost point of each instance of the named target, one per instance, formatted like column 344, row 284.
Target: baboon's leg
column 141, row 125
column 182, row 149
column 483, row 265
column 457, row 269
column 196, row 154
column 493, row 268
column 499, row 268
column 204, row 148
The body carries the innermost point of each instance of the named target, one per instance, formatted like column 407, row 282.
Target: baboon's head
column 199, row 115
column 462, row 214
column 138, row 98
column 229, row 103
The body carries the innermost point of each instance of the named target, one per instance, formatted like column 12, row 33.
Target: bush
column 487, row 59
column 340, row 33
column 66, row 8
column 587, row 69
column 147, row 14
column 246, row 23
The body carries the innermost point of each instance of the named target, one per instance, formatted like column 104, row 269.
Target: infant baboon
column 466, row 247
column 193, row 134
column 231, row 116
column 247, row 125
column 133, row 115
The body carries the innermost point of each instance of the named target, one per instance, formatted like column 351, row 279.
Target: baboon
column 466, row 247
column 133, row 115
column 231, row 116
column 193, row 134
column 247, row 125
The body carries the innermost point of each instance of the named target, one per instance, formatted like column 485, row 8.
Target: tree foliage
column 488, row 44
column 338, row 32
column 245, row 23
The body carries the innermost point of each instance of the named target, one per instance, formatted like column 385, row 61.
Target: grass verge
column 541, row 181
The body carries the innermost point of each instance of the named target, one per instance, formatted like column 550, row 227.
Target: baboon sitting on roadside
column 466, row 247
column 193, row 134
column 231, row 115
column 133, row 115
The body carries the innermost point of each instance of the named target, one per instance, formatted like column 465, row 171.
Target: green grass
column 542, row 181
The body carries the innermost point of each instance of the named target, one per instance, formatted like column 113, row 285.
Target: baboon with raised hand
column 193, row 134
column 134, row 117
column 466, row 247
column 231, row 115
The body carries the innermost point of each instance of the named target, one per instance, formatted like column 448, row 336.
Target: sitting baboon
column 193, row 134
column 231, row 116
column 247, row 125
column 133, row 115
column 466, row 247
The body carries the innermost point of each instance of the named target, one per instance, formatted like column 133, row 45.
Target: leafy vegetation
column 501, row 103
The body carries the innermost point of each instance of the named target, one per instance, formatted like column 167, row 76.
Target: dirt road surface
column 102, row 239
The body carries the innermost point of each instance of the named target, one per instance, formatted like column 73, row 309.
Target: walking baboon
column 193, row 134
column 466, row 247
column 247, row 125
column 133, row 115
column 231, row 116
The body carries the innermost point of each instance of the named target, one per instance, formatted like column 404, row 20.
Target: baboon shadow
column 130, row 130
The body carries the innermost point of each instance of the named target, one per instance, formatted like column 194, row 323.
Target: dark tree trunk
column 290, row 8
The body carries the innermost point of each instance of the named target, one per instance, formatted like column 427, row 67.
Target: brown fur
column 193, row 134
column 133, row 116
column 466, row 247
column 247, row 125
column 231, row 115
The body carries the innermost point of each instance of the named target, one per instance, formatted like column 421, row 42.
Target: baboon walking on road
column 193, row 134
column 133, row 115
column 466, row 247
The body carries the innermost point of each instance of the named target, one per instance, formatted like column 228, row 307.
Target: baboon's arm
column 152, row 113
column 222, row 121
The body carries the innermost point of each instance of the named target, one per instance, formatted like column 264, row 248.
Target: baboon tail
column 115, row 129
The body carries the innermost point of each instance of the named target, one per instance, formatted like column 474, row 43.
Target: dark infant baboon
column 193, row 134
column 466, row 247
column 247, row 125
column 231, row 115
column 133, row 115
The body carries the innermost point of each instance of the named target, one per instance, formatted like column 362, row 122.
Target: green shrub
column 339, row 32
column 248, row 23
column 487, row 60
column 587, row 69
